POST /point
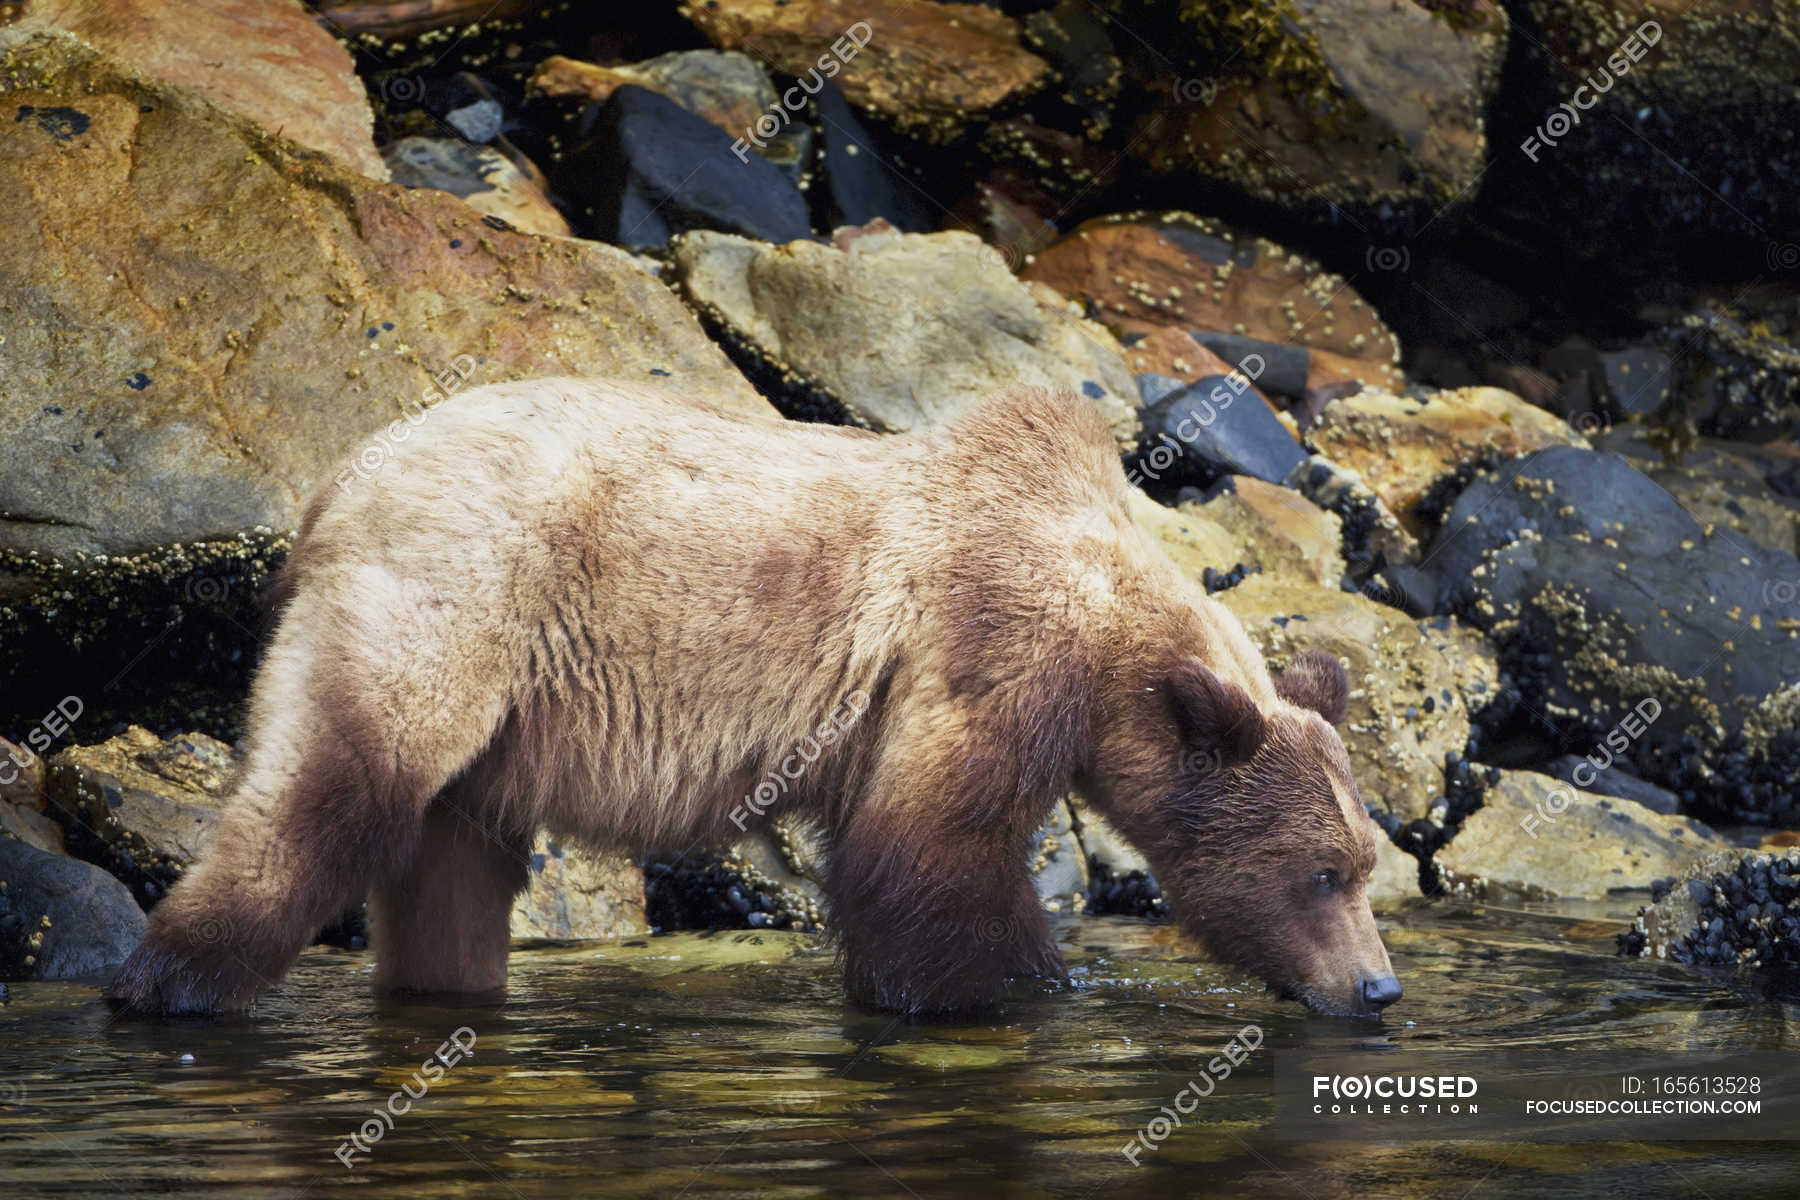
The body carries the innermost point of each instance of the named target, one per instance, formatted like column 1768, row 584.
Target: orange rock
column 925, row 66
column 1174, row 352
column 1138, row 273
column 266, row 61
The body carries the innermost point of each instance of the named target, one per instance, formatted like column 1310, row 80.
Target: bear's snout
column 1379, row 991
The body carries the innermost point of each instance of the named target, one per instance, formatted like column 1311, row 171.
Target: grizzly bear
column 606, row 610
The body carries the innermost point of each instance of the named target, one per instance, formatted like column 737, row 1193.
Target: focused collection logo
column 1394, row 1095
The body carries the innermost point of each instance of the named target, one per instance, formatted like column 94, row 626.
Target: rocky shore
column 1413, row 353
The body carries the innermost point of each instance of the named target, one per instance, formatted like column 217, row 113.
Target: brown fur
column 585, row 606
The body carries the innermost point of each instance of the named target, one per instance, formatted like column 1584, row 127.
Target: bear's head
column 1253, row 825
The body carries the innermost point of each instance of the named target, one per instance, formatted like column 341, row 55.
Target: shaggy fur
column 586, row 606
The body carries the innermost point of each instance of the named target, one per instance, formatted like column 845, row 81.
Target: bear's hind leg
column 285, row 860
column 444, row 924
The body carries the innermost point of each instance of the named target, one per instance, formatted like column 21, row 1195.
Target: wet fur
column 587, row 606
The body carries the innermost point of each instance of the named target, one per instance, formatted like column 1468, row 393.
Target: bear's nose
column 1380, row 991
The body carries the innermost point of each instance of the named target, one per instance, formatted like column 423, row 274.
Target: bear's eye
column 1328, row 881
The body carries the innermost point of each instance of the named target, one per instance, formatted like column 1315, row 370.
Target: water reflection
column 730, row 1064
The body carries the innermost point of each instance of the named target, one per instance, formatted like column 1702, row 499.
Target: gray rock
column 1154, row 388
column 1612, row 781
column 1059, row 866
column 1396, row 872
column 1235, row 433
column 72, row 919
column 1538, row 838
column 1720, row 483
column 903, row 330
column 1636, row 598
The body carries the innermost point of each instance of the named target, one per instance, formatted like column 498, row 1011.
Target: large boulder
column 923, row 66
column 1538, row 838
column 1141, row 272
column 203, row 322
column 265, row 60
column 1370, row 105
column 901, row 330
column 1602, row 592
column 61, row 918
column 1412, row 683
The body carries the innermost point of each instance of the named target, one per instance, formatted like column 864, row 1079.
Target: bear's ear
column 1316, row 680
column 1213, row 714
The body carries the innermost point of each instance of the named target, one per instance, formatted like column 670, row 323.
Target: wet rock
column 860, row 181
column 1612, row 781
column 575, row 894
column 1279, row 530
column 925, row 67
column 1371, row 530
column 791, row 854
column 1365, row 104
column 1007, row 212
column 481, row 176
column 1401, row 446
column 1735, row 908
column 163, row 637
column 1601, row 592
column 267, row 61
column 901, row 329
column 233, row 268
column 1412, row 683
column 730, row 90
column 1059, row 867
column 1221, row 423
column 61, row 918
column 1538, row 838
column 1139, row 272
column 139, row 806
column 652, row 169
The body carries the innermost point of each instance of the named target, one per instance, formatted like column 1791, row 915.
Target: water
column 729, row 1064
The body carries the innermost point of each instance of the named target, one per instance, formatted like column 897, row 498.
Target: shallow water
column 729, row 1064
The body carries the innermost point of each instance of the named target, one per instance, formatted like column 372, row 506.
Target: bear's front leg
column 932, row 898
